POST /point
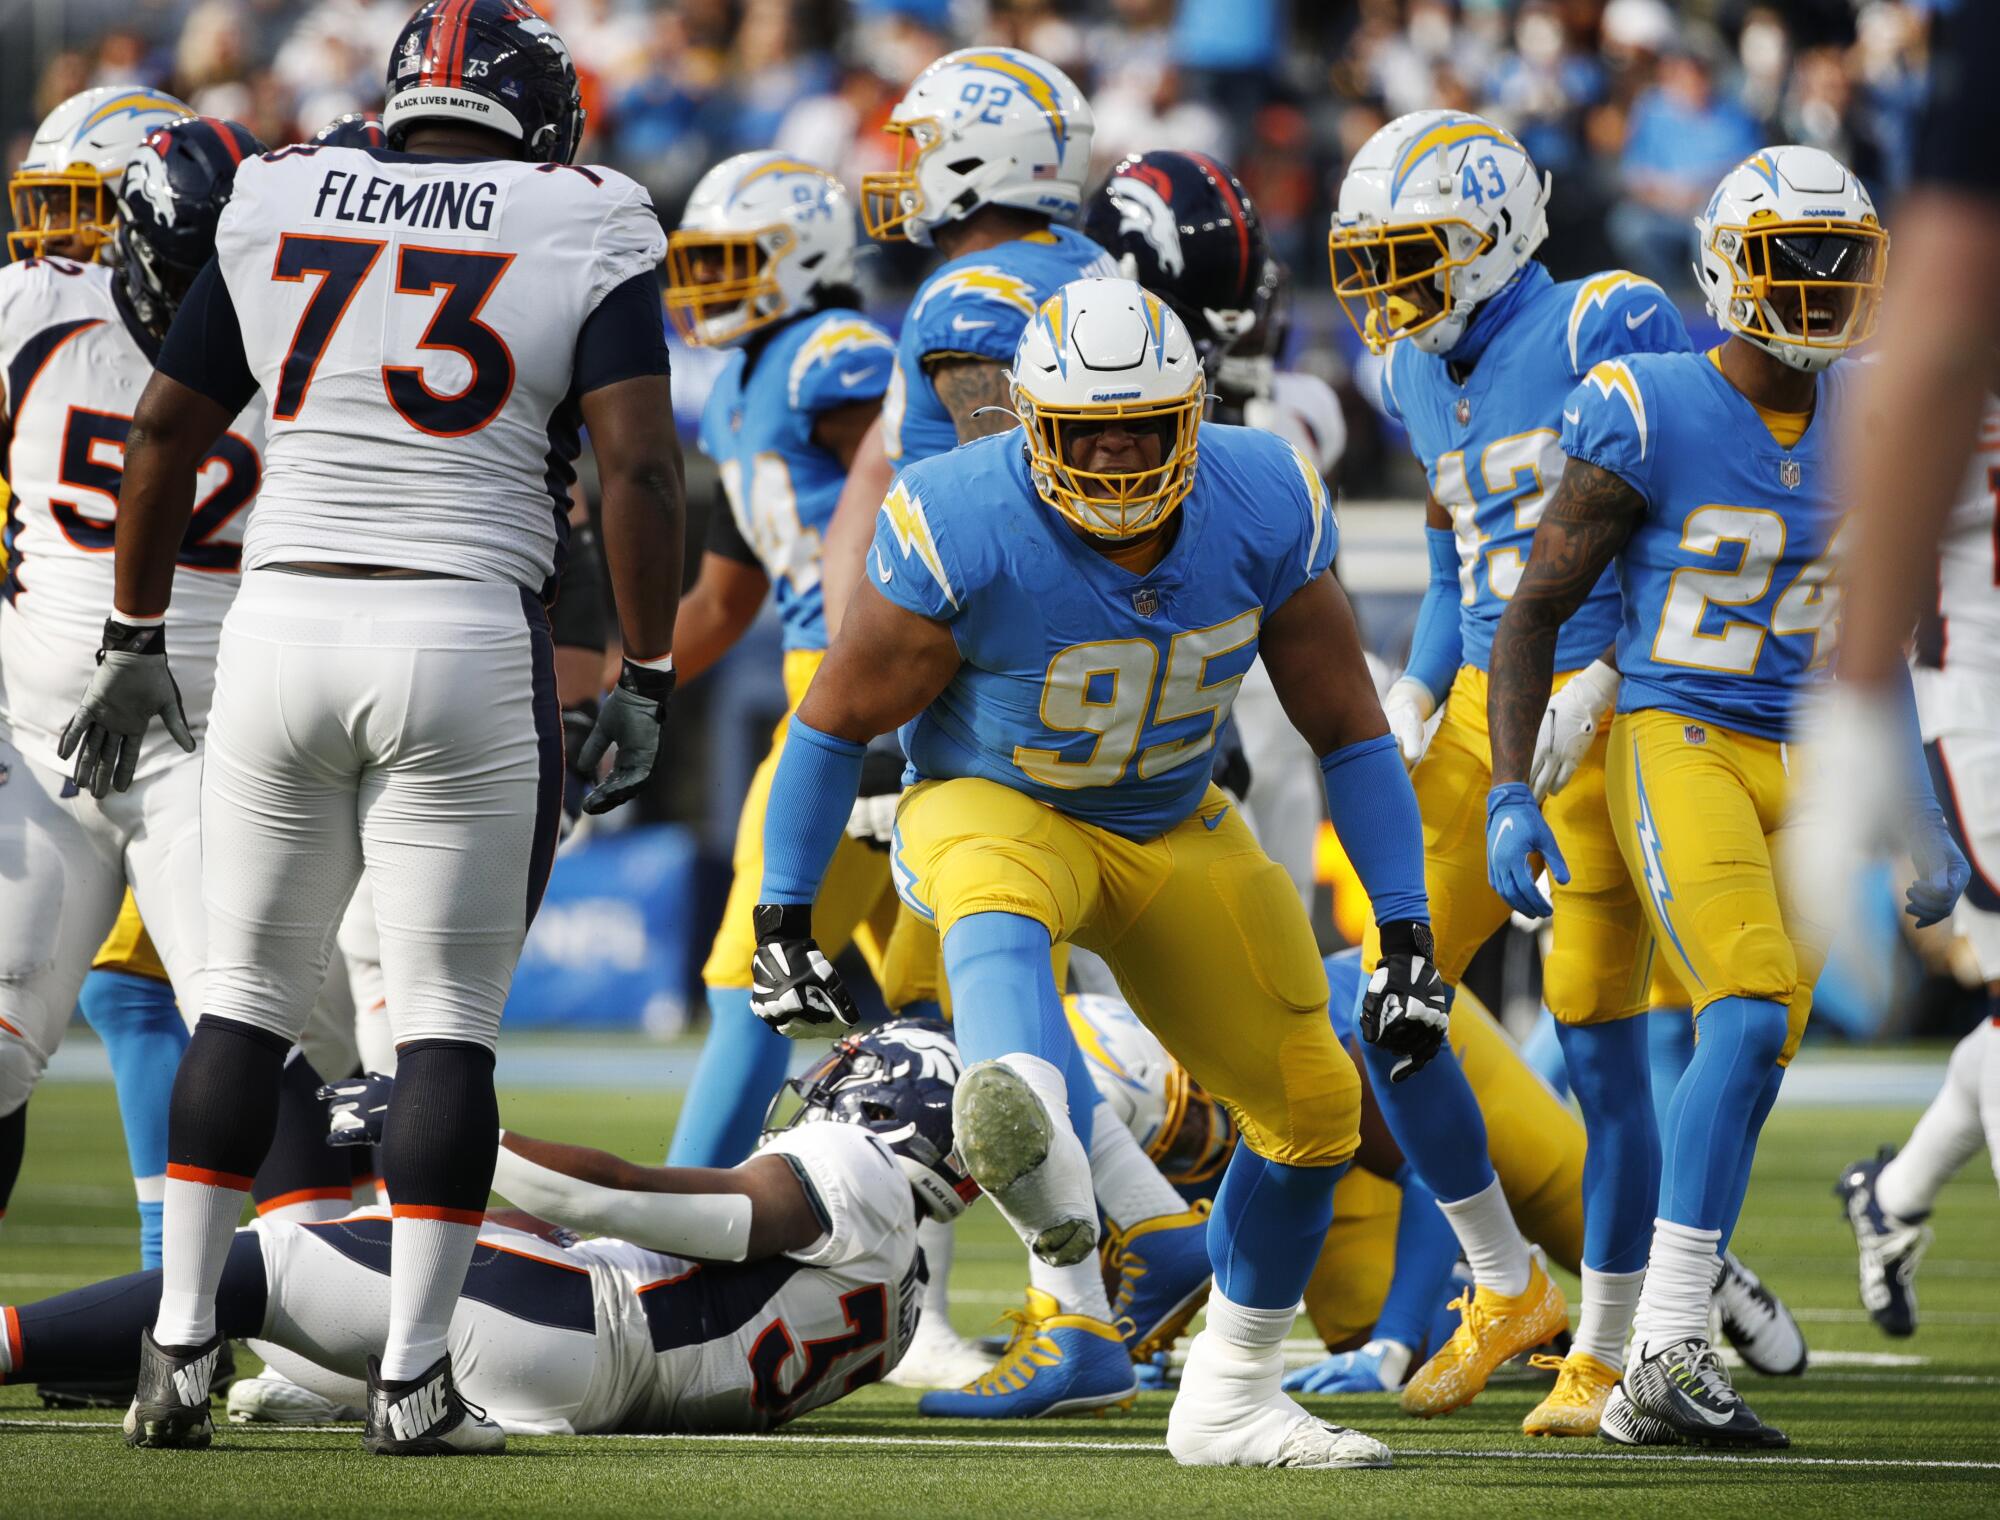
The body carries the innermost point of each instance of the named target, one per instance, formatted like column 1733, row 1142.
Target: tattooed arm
column 1591, row 516
column 964, row 385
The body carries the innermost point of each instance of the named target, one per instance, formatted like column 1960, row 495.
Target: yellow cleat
column 1576, row 1404
column 1491, row 1328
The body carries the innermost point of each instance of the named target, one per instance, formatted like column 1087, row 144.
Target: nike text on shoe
column 425, row 1417
column 170, row 1410
column 1757, row 1322
column 1890, row 1246
column 1683, row 1385
column 271, row 1398
column 1004, row 1136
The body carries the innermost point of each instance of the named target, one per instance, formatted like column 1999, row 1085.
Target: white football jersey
column 749, row 1346
column 413, row 323
column 1304, row 411
column 1958, row 690
column 72, row 373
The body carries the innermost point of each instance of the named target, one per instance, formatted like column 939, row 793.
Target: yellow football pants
column 1536, row 1144
column 855, row 903
column 1699, row 812
column 128, row 947
column 1596, row 967
column 1203, row 931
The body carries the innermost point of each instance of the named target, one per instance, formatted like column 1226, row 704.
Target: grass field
column 1878, row 1427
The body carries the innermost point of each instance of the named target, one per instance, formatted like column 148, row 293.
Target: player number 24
column 1810, row 605
column 1105, row 688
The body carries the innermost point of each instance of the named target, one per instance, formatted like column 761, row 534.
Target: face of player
column 1116, row 447
column 1816, row 279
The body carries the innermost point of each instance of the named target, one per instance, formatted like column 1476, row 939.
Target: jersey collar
column 1494, row 313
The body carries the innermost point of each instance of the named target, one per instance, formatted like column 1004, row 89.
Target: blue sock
column 136, row 1018
column 1709, row 1123
column 1269, row 1223
column 1758, row 1114
column 1425, row 1252
column 1670, row 1042
column 1436, row 1122
column 1621, row 1168
column 743, row 1063
column 1543, row 1051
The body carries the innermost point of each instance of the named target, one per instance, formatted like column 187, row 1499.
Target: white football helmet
column 1186, row 1132
column 61, row 194
column 1103, row 354
column 1438, row 211
column 984, row 126
column 1792, row 256
column 761, row 233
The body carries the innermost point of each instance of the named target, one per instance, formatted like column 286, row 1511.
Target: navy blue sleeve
column 624, row 338
column 204, row 346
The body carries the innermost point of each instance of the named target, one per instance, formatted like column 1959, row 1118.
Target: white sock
column 1989, row 1087
column 1484, row 1224
column 1060, row 1187
column 1610, row 1299
column 197, row 1224
column 1255, row 1331
column 936, row 1239
column 1681, row 1270
column 1946, row 1136
column 1129, row 1187
column 427, row 1262
column 1077, row 1290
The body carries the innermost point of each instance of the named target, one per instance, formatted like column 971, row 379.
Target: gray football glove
column 793, row 986
column 131, row 687
column 630, row 720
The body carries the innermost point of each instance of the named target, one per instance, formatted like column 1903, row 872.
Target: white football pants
column 407, row 729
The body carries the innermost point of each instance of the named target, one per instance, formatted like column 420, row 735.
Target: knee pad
column 21, row 1068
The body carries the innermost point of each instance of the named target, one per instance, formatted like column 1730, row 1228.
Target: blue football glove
column 1360, row 1371
column 1942, row 870
column 356, row 1108
column 1516, row 832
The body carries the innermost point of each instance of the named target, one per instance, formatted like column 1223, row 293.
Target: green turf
column 72, row 1222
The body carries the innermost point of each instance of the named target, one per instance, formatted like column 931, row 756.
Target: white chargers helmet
column 61, row 194
column 1439, row 210
column 761, row 233
column 1186, row 1132
column 984, row 126
column 1792, row 256
column 1104, row 356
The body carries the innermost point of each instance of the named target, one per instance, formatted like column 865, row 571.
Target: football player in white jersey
column 77, row 342
column 430, row 324
column 1957, row 683
column 717, row 1300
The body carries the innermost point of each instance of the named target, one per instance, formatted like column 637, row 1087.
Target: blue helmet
column 169, row 201
column 357, row 129
column 896, row 1082
column 486, row 63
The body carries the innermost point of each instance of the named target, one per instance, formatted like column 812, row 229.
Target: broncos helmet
column 895, row 1081
column 169, row 201
column 1183, row 227
column 357, row 129
column 486, row 63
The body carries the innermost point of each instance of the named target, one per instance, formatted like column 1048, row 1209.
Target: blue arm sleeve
column 1437, row 645
column 1425, row 1251
column 1374, row 810
column 818, row 779
column 1922, row 792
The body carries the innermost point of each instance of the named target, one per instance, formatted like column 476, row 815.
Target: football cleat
column 170, row 1409
column 1230, row 1412
column 271, row 1398
column 1575, row 1406
column 1006, row 1139
column 426, row 1416
column 1055, row 1364
column 1684, row 1387
column 938, row 1357
column 1890, row 1246
column 1623, row 1425
column 1491, row 1329
column 1160, row 1275
column 1757, row 1323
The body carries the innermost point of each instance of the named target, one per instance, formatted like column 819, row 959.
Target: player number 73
column 1105, row 688
column 1809, row 605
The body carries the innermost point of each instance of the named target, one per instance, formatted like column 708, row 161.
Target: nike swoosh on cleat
column 1634, row 321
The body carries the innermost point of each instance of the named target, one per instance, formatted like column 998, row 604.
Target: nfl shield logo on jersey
column 1146, row 601
column 1464, row 411
column 1788, row 474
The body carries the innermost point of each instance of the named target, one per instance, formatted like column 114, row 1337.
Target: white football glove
column 1408, row 707
column 873, row 821
column 1570, row 725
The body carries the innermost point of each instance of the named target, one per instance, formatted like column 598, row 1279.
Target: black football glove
column 630, row 719
column 1407, row 1006
column 356, row 1108
column 793, row 987
column 131, row 687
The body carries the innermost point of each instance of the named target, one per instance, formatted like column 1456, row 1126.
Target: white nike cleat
column 271, row 1398
column 1033, row 1168
column 1230, row 1412
column 1759, row 1326
column 938, row 1357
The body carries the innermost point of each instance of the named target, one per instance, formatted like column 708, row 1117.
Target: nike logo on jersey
column 1638, row 317
column 849, row 378
column 961, row 323
column 412, row 1415
column 1572, row 418
column 191, row 1383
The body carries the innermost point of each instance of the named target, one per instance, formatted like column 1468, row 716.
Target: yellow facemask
column 1374, row 267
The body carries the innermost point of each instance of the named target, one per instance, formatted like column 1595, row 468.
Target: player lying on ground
column 726, row 1300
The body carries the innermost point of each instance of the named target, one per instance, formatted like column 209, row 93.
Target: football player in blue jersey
column 1058, row 617
column 763, row 268
column 1433, row 260
column 1708, row 480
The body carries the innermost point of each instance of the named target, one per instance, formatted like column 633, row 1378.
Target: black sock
column 443, row 1127
column 300, row 1165
column 225, row 1103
